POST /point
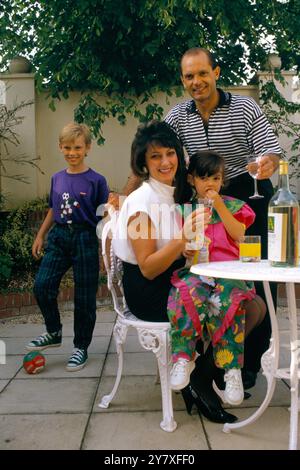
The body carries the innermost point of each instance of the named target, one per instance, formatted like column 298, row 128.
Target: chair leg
column 158, row 343
column 120, row 333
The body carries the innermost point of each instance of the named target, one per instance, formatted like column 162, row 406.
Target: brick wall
column 23, row 303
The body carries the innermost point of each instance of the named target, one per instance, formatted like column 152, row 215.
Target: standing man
column 234, row 126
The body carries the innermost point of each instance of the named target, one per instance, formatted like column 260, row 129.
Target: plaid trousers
column 77, row 247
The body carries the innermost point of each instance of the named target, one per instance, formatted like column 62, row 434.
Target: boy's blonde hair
column 73, row 130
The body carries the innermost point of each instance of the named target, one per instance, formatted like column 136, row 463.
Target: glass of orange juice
column 250, row 248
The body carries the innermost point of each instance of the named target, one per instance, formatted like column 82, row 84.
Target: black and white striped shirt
column 236, row 128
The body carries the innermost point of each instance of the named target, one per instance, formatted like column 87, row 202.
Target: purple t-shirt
column 75, row 197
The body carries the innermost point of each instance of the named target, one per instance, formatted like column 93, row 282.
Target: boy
column 75, row 194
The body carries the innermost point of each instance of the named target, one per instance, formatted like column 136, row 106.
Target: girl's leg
column 187, row 310
column 183, row 334
column 55, row 263
column 227, row 328
column 229, row 351
column 86, row 274
column 226, row 321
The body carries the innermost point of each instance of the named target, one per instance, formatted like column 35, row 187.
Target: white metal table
column 263, row 271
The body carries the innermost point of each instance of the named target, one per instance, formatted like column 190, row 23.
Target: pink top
column 222, row 247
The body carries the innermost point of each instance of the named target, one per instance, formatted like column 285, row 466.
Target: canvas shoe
column 234, row 390
column 77, row 360
column 44, row 341
column 180, row 373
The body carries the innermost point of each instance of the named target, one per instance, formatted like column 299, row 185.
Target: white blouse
column 157, row 201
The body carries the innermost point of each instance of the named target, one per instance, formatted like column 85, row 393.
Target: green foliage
column 5, row 269
column 281, row 114
column 17, row 237
column 127, row 50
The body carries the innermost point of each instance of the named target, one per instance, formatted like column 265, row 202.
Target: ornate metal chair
column 153, row 336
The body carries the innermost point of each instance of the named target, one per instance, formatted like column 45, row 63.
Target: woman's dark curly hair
column 160, row 133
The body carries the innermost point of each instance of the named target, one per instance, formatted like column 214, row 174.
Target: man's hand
column 267, row 165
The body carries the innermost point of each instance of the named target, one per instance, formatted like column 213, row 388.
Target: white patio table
column 263, row 271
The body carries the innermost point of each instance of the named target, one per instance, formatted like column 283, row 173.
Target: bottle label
column 277, row 236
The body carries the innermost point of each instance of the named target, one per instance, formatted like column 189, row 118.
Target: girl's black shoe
column 208, row 406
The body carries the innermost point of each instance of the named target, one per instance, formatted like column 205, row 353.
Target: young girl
column 206, row 308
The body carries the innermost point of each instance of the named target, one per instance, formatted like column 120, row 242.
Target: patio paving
column 57, row 409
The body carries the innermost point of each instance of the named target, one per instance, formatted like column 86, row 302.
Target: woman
column 149, row 238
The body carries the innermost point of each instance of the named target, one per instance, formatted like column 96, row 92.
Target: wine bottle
column 283, row 223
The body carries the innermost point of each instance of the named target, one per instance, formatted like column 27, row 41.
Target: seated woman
column 149, row 238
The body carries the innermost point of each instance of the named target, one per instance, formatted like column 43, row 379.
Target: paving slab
column 105, row 316
column 42, row 432
column 55, row 367
column 135, row 393
column 143, row 363
column 17, row 346
column 49, row 396
column 132, row 344
column 281, row 395
column 269, row 432
column 12, row 366
column 140, row 430
column 3, row 384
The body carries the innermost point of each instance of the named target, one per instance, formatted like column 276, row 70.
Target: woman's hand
column 194, row 224
column 189, row 254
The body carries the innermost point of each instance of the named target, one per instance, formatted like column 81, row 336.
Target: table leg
column 294, row 344
column 269, row 362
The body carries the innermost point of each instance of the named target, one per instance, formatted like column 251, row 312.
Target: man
column 235, row 127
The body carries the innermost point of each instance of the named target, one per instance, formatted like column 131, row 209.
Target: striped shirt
column 237, row 127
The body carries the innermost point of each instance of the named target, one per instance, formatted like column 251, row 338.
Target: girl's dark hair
column 206, row 163
column 160, row 133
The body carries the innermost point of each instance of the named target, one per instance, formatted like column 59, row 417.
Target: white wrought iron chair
column 153, row 336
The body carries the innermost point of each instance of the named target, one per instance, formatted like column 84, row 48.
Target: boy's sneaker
column 234, row 390
column 44, row 341
column 77, row 360
column 180, row 373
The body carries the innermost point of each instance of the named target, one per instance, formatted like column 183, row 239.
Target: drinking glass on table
column 250, row 248
column 253, row 163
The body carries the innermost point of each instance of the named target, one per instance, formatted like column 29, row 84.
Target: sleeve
column 259, row 131
column 172, row 119
column 245, row 215
column 141, row 201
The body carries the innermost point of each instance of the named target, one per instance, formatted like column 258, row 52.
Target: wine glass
column 253, row 161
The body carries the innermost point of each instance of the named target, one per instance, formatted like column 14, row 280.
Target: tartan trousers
column 77, row 247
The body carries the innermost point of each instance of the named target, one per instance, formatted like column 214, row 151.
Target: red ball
column 34, row 362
